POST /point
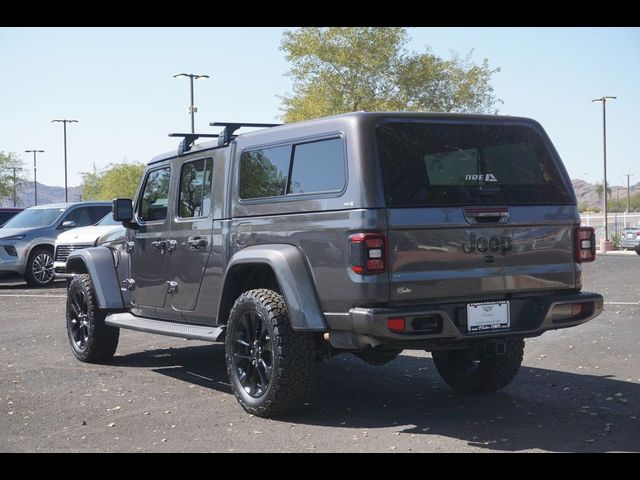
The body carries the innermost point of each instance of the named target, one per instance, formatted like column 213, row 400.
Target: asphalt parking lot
column 578, row 391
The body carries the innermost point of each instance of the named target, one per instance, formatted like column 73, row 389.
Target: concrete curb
column 617, row 252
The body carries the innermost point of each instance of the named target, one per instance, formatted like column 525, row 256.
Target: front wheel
column 39, row 271
column 270, row 366
column 91, row 339
column 467, row 372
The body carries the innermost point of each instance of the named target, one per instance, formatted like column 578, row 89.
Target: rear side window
column 195, row 189
column 317, row 167
column 311, row 167
column 155, row 196
column 459, row 164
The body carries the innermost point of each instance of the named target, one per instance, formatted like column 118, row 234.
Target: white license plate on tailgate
column 487, row 316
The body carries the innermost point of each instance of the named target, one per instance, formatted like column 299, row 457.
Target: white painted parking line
column 31, row 295
column 622, row 303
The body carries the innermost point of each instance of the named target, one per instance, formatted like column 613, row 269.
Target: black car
column 8, row 212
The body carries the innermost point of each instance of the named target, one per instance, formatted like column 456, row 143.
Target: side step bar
column 181, row 330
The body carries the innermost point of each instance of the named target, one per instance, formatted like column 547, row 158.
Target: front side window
column 81, row 216
column 155, row 196
column 264, row 172
column 195, row 189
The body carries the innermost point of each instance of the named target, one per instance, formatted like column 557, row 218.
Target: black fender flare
column 294, row 279
column 98, row 263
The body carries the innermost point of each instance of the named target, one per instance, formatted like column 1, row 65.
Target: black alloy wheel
column 253, row 354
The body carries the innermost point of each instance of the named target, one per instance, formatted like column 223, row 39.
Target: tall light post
column 628, row 191
column 64, row 122
column 35, row 179
column 192, row 107
column 604, row 138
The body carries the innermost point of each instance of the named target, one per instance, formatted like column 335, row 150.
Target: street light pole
column 604, row 137
column 628, row 201
column 192, row 107
column 64, row 122
column 35, row 180
column 14, row 186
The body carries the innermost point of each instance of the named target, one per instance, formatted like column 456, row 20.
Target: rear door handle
column 197, row 242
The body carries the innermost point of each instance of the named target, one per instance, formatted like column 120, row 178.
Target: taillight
column 585, row 246
column 367, row 253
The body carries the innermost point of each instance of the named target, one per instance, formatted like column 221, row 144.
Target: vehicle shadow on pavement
column 542, row 409
column 201, row 365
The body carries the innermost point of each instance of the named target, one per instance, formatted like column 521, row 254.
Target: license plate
column 487, row 316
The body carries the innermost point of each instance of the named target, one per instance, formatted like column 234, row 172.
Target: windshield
column 108, row 220
column 428, row 164
column 37, row 217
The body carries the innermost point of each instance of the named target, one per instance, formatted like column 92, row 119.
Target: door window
column 195, row 189
column 155, row 196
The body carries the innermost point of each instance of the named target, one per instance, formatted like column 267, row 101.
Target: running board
column 148, row 325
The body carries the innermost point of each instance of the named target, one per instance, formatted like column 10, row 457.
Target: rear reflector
column 578, row 308
column 585, row 244
column 396, row 324
column 569, row 312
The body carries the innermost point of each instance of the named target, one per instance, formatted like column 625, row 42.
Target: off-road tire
column 291, row 355
column 39, row 271
column 90, row 338
column 487, row 374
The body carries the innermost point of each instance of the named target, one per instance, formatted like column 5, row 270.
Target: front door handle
column 160, row 245
column 197, row 242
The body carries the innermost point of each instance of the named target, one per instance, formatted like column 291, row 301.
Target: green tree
column 343, row 69
column 90, row 184
column 12, row 176
column 634, row 202
column 115, row 181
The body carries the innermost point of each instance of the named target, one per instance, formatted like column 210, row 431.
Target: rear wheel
column 91, row 339
column 468, row 372
column 270, row 366
column 637, row 249
column 39, row 272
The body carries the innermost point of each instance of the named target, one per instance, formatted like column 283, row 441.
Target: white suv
column 78, row 238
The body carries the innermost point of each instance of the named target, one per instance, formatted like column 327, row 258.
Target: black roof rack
column 189, row 138
column 231, row 127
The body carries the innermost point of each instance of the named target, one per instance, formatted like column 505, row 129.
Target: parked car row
column 28, row 238
column 630, row 239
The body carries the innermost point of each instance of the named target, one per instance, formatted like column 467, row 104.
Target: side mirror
column 122, row 209
column 69, row 224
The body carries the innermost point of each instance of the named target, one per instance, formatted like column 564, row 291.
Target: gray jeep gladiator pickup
column 364, row 233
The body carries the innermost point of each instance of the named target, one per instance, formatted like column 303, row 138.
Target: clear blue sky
column 118, row 82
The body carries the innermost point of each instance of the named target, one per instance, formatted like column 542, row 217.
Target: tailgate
column 475, row 208
column 435, row 253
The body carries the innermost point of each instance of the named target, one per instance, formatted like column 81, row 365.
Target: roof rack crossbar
column 231, row 127
column 189, row 138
